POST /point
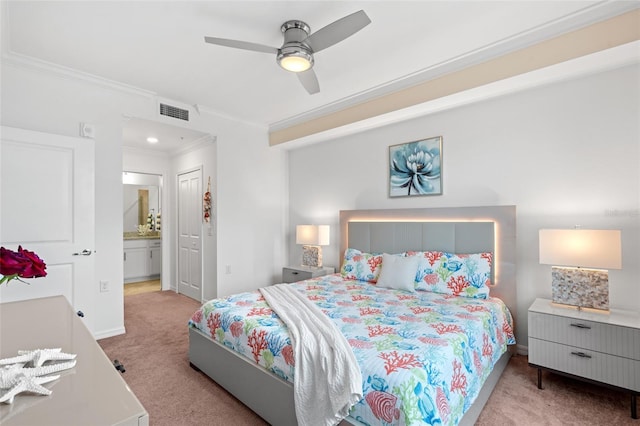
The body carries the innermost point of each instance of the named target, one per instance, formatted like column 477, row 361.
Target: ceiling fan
column 296, row 53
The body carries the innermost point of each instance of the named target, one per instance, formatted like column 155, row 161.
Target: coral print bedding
column 466, row 275
column 424, row 356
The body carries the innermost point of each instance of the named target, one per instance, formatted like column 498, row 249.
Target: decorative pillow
column 360, row 266
column 398, row 272
column 466, row 275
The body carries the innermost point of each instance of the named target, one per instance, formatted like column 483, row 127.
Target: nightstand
column 292, row 274
column 601, row 348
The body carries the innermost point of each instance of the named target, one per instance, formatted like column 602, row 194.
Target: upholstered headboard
column 456, row 230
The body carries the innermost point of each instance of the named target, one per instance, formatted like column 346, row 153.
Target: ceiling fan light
column 295, row 61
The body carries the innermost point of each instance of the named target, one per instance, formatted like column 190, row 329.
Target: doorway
column 142, row 232
column 161, row 148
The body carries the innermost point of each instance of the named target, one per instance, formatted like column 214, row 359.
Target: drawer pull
column 586, row 327
column 581, row 354
column 294, row 273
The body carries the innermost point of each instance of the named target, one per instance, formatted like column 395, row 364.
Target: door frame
column 199, row 168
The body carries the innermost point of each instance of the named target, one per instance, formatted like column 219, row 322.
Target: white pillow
column 398, row 272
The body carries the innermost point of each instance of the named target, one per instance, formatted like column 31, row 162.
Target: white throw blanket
column 327, row 379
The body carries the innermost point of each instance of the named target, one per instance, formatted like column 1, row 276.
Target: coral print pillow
column 466, row 275
column 360, row 266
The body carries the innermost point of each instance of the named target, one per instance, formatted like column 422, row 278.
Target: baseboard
column 109, row 333
column 522, row 350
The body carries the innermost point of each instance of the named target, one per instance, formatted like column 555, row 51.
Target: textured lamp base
column 312, row 256
column 585, row 288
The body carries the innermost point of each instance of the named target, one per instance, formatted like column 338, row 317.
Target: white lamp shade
column 587, row 248
column 316, row 235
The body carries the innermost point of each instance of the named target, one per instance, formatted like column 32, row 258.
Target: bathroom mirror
column 142, row 200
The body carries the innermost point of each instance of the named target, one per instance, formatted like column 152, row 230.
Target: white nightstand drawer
column 614, row 370
column 290, row 275
column 298, row 273
column 601, row 337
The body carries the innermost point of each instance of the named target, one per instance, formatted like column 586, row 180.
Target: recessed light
column 152, row 140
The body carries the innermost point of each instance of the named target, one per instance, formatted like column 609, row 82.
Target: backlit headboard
column 455, row 229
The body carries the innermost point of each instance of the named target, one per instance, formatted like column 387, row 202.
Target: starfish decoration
column 16, row 376
column 36, row 358
column 27, row 384
column 9, row 375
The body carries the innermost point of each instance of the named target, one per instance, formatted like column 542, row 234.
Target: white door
column 190, row 234
column 47, row 206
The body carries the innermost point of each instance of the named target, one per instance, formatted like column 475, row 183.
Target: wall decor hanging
column 207, row 202
column 415, row 168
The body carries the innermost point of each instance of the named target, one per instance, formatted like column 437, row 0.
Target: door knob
column 84, row 252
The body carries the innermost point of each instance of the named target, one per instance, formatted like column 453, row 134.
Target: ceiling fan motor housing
column 294, row 33
column 295, row 30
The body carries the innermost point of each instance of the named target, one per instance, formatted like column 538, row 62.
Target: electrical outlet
column 104, row 286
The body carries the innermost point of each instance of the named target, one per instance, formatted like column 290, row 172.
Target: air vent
column 175, row 112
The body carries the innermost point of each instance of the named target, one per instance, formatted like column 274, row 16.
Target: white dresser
column 91, row 393
column 603, row 348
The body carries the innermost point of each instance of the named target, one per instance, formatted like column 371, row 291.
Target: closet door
column 190, row 234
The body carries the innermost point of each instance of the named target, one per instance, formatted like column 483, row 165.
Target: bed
column 378, row 323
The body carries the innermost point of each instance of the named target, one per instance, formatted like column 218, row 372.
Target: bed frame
column 458, row 230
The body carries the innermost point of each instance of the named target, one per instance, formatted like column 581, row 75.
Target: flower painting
column 415, row 168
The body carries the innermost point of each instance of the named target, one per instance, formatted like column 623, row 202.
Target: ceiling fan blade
column 309, row 81
column 256, row 47
column 337, row 31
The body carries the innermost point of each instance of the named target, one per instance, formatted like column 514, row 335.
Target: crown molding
column 617, row 57
column 588, row 16
column 604, row 35
column 202, row 142
column 19, row 60
column 212, row 111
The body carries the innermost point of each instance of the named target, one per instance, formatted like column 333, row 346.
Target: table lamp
column 312, row 238
column 581, row 259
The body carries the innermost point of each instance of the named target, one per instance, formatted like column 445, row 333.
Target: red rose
column 37, row 266
column 20, row 264
column 11, row 262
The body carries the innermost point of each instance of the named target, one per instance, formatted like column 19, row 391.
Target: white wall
column 250, row 176
column 250, row 206
column 564, row 154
